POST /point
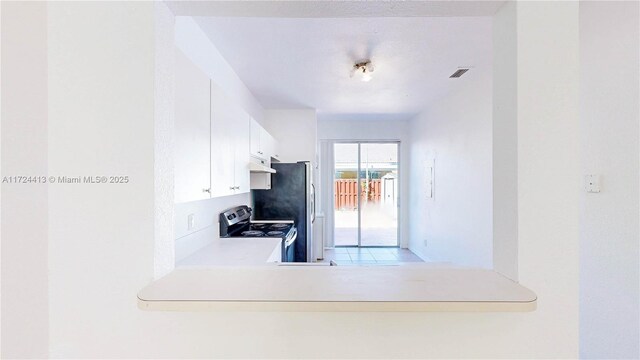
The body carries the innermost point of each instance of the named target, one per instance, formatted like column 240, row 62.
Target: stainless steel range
column 236, row 223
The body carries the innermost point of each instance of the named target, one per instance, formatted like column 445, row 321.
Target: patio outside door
column 366, row 194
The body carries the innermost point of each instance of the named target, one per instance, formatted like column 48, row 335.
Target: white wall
column 609, row 223
column 548, row 169
column 296, row 133
column 24, row 153
column 361, row 127
column 164, row 99
column 206, row 226
column 101, row 63
column 102, row 241
column 505, row 142
column 454, row 134
column 194, row 43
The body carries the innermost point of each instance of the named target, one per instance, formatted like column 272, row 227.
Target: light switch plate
column 592, row 183
column 430, row 178
column 429, row 181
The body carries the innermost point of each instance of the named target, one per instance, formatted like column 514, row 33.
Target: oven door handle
column 291, row 239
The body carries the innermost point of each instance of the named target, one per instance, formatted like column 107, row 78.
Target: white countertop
column 234, row 252
column 323, row 288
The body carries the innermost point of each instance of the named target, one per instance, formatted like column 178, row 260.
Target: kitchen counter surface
column 236, row 251
column 324, row 288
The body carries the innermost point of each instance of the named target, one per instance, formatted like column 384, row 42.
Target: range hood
column 258, row 167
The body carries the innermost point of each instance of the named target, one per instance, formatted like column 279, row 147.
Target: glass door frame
column 358, row 178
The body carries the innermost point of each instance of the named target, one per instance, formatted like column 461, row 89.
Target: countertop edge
column 509, row 296
column 337, row 306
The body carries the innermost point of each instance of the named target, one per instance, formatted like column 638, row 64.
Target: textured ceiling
column 333, row 8
column 305, row 62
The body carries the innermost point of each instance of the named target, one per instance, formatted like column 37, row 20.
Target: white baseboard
column 419, row 253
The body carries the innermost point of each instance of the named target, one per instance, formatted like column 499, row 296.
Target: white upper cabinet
column 229, row 145
column 191, row 131
column 215, row 138
column 263, row 145
column 270, row 146
column 242, row 155
column 256, row 131
column 222, row 147
column 264, row 149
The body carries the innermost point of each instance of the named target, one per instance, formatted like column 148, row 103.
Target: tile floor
column 369, row 256
column 378, row 226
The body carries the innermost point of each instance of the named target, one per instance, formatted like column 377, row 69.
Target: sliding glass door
column 366, row 194
column 346, row 199
column 378, row 201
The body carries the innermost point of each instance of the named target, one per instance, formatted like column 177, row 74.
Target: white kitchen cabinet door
column 242, row 151
column 222, row 144
column 270, row 146
column 192, row 127
column 256, row 140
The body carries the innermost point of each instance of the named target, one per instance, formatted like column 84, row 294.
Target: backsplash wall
column 205, row 229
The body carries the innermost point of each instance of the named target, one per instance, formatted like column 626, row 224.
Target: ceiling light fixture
column 363, row 69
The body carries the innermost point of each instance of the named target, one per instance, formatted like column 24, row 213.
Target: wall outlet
column 592, row 183
column 191, row 222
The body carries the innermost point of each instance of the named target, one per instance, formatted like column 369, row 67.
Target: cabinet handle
column 260, row 152
column 237, row 187
column 231, row 188
column 207, row 190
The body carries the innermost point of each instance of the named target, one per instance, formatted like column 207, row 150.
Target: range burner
column 252, row 233
column 236, row 222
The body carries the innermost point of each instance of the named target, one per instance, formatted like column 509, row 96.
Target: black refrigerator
column 291, row 197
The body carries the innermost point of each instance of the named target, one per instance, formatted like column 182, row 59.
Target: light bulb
column 363, row 70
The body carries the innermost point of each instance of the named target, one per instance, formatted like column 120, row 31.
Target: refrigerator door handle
column 313, row 203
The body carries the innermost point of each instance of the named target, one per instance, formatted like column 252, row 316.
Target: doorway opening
column 365, row 187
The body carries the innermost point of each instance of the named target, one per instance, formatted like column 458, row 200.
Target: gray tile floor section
column 370, row 256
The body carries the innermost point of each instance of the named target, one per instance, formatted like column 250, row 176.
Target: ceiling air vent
column 458, row 73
